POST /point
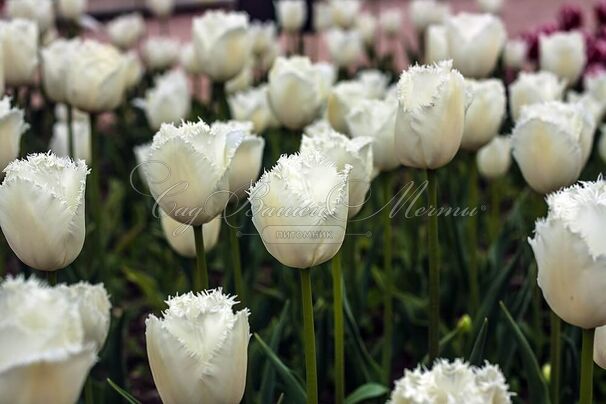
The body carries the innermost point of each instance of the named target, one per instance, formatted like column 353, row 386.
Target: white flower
column 12, row 126
column 126, row 30
column 39, row 11
column 588, row 103
column 291, row 14
column 161, row 8
column 563, row 53
column 571, row 254
column 265, row 61
column 55, row 64
column 252, row 106
column 20, row 51
column 169, row 101
column 133, row 70
column 189, row 60
column 181, row 238
column 344, row 12
column 198, row 349
column 494, row 159
column 490, row 6
column 596, row 85
column 366, row 25
column 160, row 53
column 71, row 9
column 424, row 13
column 375, row 81
column 391, row 21
column 531, row 88
column 327, row 74
column 599, row 347
column 514, row 55
column 485, row 112
column 322, row 16
column 343, row 97
column 242, row 81
column 263, row 35
column 345, row 47
column 317, row 128
column 81, row 131
column 436, row 44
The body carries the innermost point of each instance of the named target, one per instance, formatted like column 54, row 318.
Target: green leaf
column 269, row 372
column 477, row 352
column 366, row 392
column 125, row 394
column 148, row 286
column 294, row 390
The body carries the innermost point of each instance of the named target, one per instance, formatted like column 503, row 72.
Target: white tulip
column 596, row 85
column 431, row 115
column 475, row 42
column 42, row 210
column 55, row 64
column 263, row 35
column 366, row 25
column 126, row 30
column 133, row 70
column 12, row 127
column 96, row 77
column 317, row 128
column 490, row 6
column 375, row 81
column 295, row 91
column 188, row 171
column 169, row 101
column 291, row 14
column 436, row 44
column 266, row 61
column 599, row 347
column 376, row 119
column 252, row 106
column 322, row 16
column 198, row 349
column 342, row 151
column 344, row 12
column 189, row 60
column 181, row 236
column 391, row 22
column 602, row 144
column 20, row 51
column 327, row 74
column 345, row 47
column 71, row 9
column 161, row 8
column 563, row 53
column 343, row 97
column 588, row 103
column 51, row 337
column 160, row 53
column 243, row 81
column 300, row 209
column 485, row 112
column 531, row 88
column 424, row 13
column 39, row 11
column 81, row 133
column 494, row 159
column 571, row 255
column 514, row 54
column 222, row 43
column 551, row 143
column 392, row 93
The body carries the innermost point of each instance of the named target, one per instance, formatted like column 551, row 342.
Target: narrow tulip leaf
column 269, row 372
column 148, row 286
column 294, row 390
column 444, row 342
column 477, row 352
column 537, row 387
column 125, row 394
column 366, row 392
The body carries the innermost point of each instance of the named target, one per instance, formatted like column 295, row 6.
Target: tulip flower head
column 345, row 47
column 12, row 127
column 563, row 53
column 343, row 97
column 436, row 44
column 242, row 81
column 252, row 105
column 71, row 9
column 424, row 13
column 291, row 14
column 20, row 51
column 490, row 6
column 169, row 101
column 126, row 30
column 485, row 112
column 181, row 236
column 531, row 88
column 189, row 60
column 391, row 22
column 160, row 53
column 366, row 25
column 599, row 347
column 39, row 11
column 81, row 132
column 161, row 8
column 263, row 35
column 197, row 349
column 55, row 65
column 375, row 81
column 514, row 54
column 494, row 159
column 344, row 12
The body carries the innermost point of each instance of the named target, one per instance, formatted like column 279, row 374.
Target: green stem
column 586, row 396
column 495, row 209
column 219, row 100
column 51, row 277
column 337, row 287
column 95, row 194
column 309, row 337
column 89, row 397
column 434, row 270
column 70, row 131
column 201, row 272
column 3, row 255
column 388, row 280
column 473, row 239
column 555, row 345
column 274, row 139
column 236, row 261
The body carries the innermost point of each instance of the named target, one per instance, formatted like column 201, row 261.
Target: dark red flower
column 570, row 17
column 600, row 12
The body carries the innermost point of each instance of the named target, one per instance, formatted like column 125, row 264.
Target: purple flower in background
column 570, row 17
column 532, row 38
column 600, row 12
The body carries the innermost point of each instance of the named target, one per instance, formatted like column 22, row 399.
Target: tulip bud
column 569, row 249
column 20, row 51
column 424, row 13
column 198, row 349
column 295, row 91
column 133, row 70
column 39, row 11
column 161, row 8
column 252, row 106
column 51, row 338
column 431, row 115
column 291, row 14
column 531, row 88
column 322, row 18
column 55, row 64
column 43, row 197
column 300, row 209
column 345, row 47
column 242, row 81
column 96, row 77
column 181, row 236
column 188, row 171
column 160, row 53
column 126, row 30
column 551, row 143
column 514, row 55
column 490, row 6
column 391, row 22
column 436, row 44
column 366, row 25
column 12, row 126
column 375, row 82
column 563, row 53
column 494, row 159
column 485, row 112
column 344, row 12
column 169, row 101
column 376, row 119
column 81, row 132
column 475, row 42
column 263, row 35
column 599, row 347
column 222, row 43
column 71, row 9
column 343, row 97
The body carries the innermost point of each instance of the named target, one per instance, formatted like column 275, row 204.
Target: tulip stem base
column 237, row 263
column 472, row 236
column 70, row 132
column 200, row 278
column 586, row 394
column 388, row 282
column 51, row 278
column 434, row 269
column 309, row 337
column 555, row 354
column 337, row 287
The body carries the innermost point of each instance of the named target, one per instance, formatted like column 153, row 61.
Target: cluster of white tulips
column 214, row 109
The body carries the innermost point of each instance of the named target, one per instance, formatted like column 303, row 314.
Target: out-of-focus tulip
column 424, row 13
column 51, row 338
column 160, row 53
column 431, row 115
column 222, row 43
column 485, row 112
column 366, row 25
column 42, row 210
column 551, row 143
column 126, row 30
column 96, row 77
column 570, row 253
column 20, row 51
column 376, row 119
column 322, row 18
column 599, row 347
column 252, row 106
column 344, row 12
column 532, row 88
column 263, row 35
column 133, row 70
column 475, row 42
column 588, row 103
column 494, row 159
column 436, row 44
column 563, row 54
column 291, row 14
column 12, row 126
column 345, row 47
column 602, row 144
column 595, row 84
column 391, row 22
column 514, row 55
column 300, row 209
column 181, row 238
column 39, row 11
column 490, row 6
column 198, row 349
column 55, row 64
column 81, row 131
column 317, row 128
column 266, row 61
column 188, row 171
column 375, row 82
column 161, row 8
column 343, row 97
column 71, row 9
column 570, row 16
column 295, row 91
column 169, row 101
column 189, row 60
column 327, row 74
column 344, row 152
column 242, row 81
